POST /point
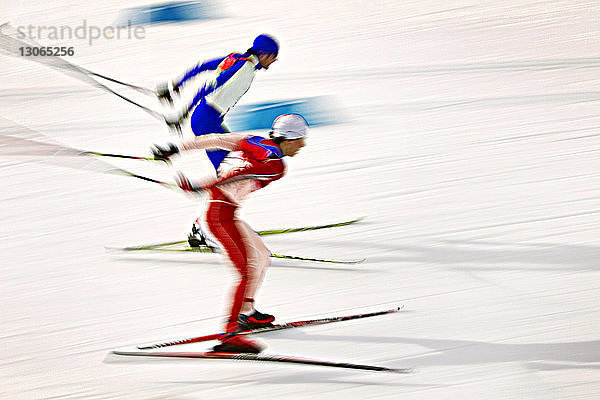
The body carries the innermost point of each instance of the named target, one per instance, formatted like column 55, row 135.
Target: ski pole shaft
column 169, row 185
column 140, row 89
column 11, row 43
column 129, row 157
column 21, row 146
column 15, row 145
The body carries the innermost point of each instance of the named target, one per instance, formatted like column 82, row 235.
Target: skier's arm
column 197, row 69
column 268, row 170
column 228, row 141
column 261, row 172
column 166, row 91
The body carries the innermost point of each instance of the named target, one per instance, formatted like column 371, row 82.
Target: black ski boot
column 255, row 320
column 237, row 344
column 197, row 239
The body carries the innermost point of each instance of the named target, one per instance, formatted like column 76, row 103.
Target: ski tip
column 347, row 262
column 128, row 357
column 359, row 261
column 150, row 346
column 352, row 221
column 114, row 357
column 401, row 370
column 110, row 249
column 118, row 353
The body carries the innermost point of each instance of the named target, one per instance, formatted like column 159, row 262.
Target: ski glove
column 166, row 90
column 164, row 153
column 174, row 122
column 185, row 184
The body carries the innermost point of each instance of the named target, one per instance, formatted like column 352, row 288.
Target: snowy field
column 470, row 147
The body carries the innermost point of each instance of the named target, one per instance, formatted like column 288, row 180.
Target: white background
column 470, row 147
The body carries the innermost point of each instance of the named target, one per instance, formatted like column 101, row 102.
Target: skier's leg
column 259, row 259
column 205, row 120
column 220, row 219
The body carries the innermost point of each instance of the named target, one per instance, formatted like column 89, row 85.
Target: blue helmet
column 265, row 44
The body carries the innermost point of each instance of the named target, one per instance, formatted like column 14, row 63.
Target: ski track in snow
column 469, row 146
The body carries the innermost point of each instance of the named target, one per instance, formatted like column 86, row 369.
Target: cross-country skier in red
column 263, row 164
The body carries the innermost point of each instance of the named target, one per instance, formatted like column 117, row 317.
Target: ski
column 259, row 357
column 260, row 233
column 308, row 228
column 206, row 249
column 182, row 245
column 275, row 327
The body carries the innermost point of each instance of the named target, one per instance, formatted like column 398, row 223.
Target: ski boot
column 255, row 320
column 197, row 239
column 232, row 343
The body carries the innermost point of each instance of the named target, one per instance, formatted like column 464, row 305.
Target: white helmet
column 289, row 127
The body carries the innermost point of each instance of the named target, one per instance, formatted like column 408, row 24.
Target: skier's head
column 266, row 48
column 265, row 44
column 289, row 131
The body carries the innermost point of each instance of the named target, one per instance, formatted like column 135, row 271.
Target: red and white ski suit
column 243, row 246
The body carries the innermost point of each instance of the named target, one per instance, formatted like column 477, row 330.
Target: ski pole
column 11, row 45
column 13, row 145
column 16, row 146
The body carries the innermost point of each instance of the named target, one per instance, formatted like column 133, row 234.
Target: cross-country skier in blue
column 232, row 77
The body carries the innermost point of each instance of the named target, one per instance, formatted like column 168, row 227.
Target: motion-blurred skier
column 232, row 77
column 244, row 248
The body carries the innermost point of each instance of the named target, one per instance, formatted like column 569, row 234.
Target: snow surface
column 470, row 147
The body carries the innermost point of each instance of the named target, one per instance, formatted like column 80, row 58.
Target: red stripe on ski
column 276, row 327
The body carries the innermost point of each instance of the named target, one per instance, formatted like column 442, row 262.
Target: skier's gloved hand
column 175, row 122
column 184, row 183
column 165, row 91
column 164, row 153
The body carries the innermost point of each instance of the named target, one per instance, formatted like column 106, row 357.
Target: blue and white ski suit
column 231, row 79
